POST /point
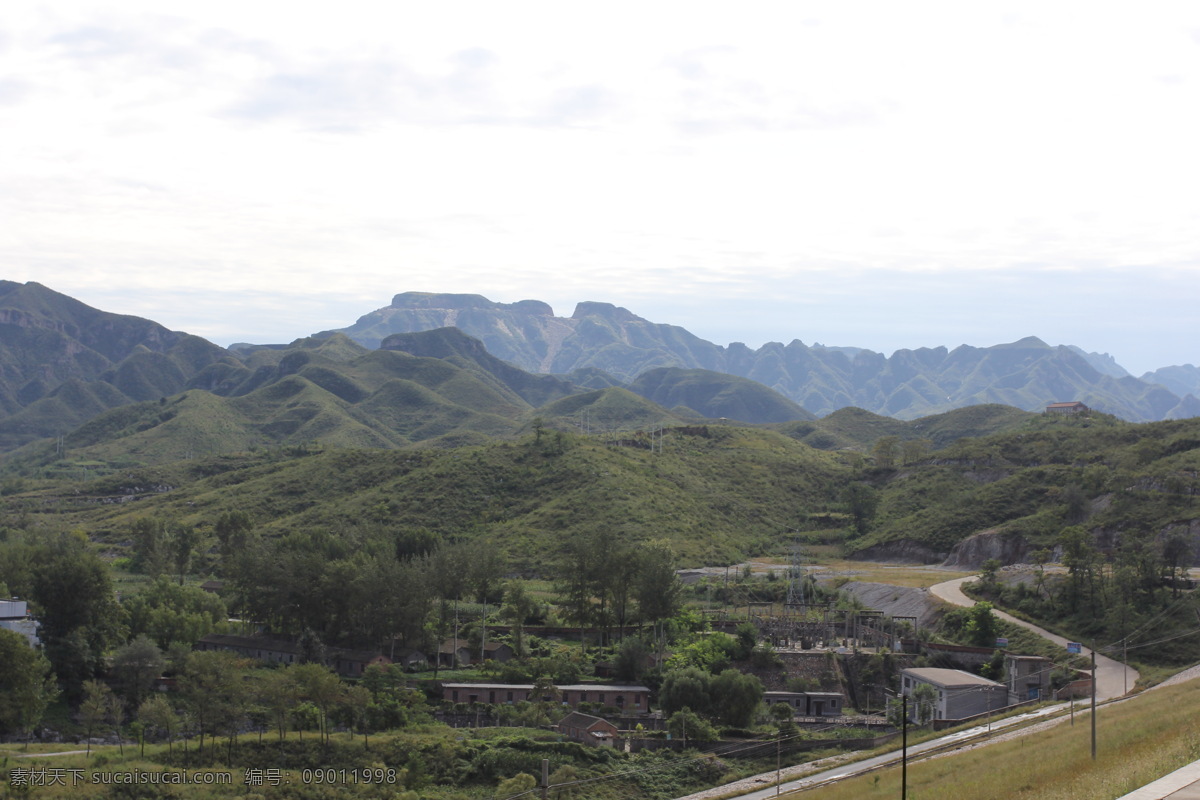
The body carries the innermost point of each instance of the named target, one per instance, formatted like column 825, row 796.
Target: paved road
column 866, row 765
column 1113, row 678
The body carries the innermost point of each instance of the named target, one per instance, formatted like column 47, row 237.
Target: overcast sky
column 878, row 175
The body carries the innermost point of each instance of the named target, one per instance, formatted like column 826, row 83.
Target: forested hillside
column 717, row 493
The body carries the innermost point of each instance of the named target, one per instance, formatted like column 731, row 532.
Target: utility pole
column 1093, row 701
column 904, row 750
column 778, row 745
column 1125, row 662
column 545, row 778
column 483, row 639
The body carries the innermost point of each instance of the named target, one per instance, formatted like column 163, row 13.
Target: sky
column 879, row 175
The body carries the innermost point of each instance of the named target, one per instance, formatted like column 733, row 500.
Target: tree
column 166, row 613
column 982, row 625
column 184, row 541
column 27, row 684
column 564, row 782
column 1176, row 556
column 136, row 666
column 518, row 605
column 1040, row 558
column 1076, row 503
column 747, row 636
column 884, row 451
column 322, row 688
column 521, row 783
column 913, row 450
column 79, row 618
column 581, row 594
column 233, row 530
column 685, row 688
column 211, row 686
column 150, row 546
column 990, row 568
column 357, row 700
column 393, row 704
column 278, row 692
column 116, row 714
column 735, row 697
column 861, row 501
column 95, row 708
column 687, row 725
column 631, row 659
column 485, row 568
column 924, row 701
column 785, row 719
column 657, row 588
column 155, row 712
column 1079, row 557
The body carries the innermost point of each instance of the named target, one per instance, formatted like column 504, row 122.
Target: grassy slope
column 720, row 498
column 1132, row 475
column 1138, row 741
column 717, row 498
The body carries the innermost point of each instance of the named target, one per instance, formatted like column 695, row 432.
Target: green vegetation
column 1138, row 741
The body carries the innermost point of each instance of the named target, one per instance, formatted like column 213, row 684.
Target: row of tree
column 218, row 694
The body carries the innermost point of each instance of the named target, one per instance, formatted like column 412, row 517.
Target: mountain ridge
column 1027, row 373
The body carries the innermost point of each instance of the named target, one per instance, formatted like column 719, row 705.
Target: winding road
column 1113, row 678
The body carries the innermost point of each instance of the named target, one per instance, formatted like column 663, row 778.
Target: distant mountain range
column 455, row 369
column 119, row 388
column 1026, row 374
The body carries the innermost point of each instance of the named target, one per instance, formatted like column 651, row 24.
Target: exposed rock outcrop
column 903, row 550
column 1007, row 548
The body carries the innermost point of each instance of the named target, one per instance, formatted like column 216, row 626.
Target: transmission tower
column 795, row 593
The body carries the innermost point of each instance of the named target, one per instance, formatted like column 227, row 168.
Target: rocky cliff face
column 1025, row 374
column 904, row 550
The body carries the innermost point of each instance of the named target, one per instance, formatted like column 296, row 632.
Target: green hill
column 859, row 429
column 1123, row 482
column 716, row 395
column 717, row 493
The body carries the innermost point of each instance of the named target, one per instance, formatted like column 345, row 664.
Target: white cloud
column 692, row 152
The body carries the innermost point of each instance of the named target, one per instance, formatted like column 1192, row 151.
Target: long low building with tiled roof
column 628, row 698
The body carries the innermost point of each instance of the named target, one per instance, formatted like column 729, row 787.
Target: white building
column 14, row 616
column 960, row 694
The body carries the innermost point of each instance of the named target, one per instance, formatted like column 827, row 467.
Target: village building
column 629, row 699
column 808, row 704
column 1072, row 407
column 451, row 653
column 960, row 694
column 353, row 663
column 347, row 663
column 634, row 699
column 497, row 651
column 275, row 651
column 1027, row 677
column 409, row 658
column 14, row 616
column 587, row 729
